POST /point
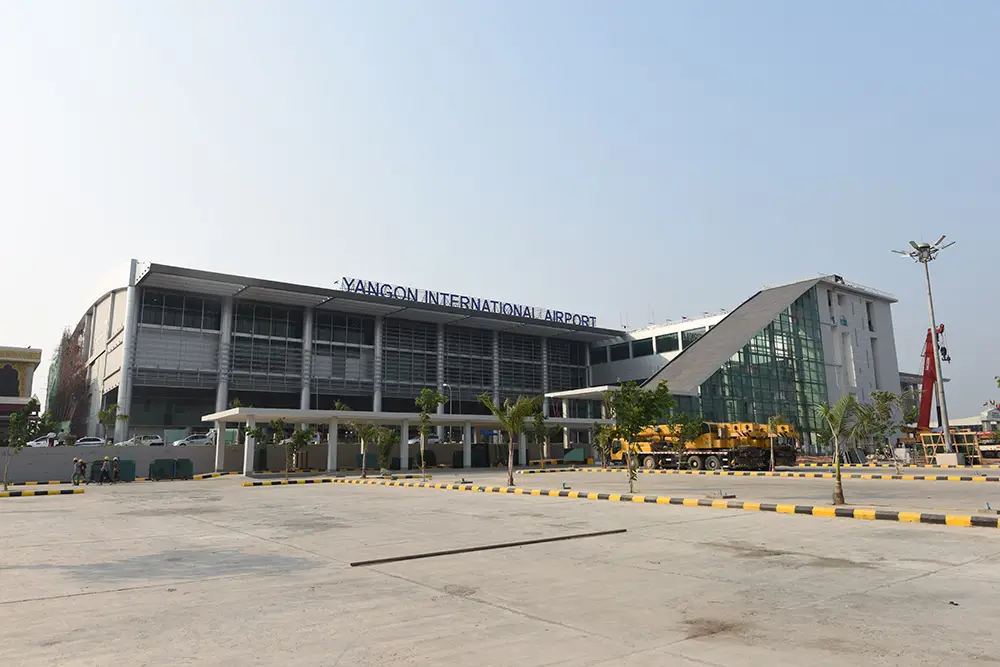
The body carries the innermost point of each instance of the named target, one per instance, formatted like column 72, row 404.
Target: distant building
column 17, row 371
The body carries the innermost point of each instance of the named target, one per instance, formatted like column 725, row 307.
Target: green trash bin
column 183, row 469
column 161, row 469
column 126, row 470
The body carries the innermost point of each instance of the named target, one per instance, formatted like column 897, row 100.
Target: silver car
column 196, row 439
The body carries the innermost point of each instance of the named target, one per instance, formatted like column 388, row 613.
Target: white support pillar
column 220, row 445
column 225, row 342
column 377, row 366
column 331, row 446
column 545, row 376
column 305, row 399
column 467, row 446
column 404, row 445
column 496, row 366
column 248, row 448
column 128, row 353
column 565, row 414
column 522, row 450
column 440, row 375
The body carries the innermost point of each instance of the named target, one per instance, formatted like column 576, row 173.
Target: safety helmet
column 75, row 459
column 116, row 458
column 107, row 458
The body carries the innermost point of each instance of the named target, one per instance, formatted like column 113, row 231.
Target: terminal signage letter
column 465, row 302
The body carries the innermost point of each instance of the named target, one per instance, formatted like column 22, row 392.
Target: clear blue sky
column 610, row 158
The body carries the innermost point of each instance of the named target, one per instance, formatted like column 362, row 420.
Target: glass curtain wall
column 567, row 364
column 266, row 351
column 520, row 365
column 409, row 358
column 343, row 354
column 779, row 371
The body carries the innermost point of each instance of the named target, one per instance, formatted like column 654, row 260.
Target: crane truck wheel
column 712, row 463
column 649, row 462
column 694, row 462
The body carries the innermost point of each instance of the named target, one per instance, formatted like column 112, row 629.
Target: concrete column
column 331, row 446
column 305, row 401
column 545, row 375
column 467, row 446
column 496, row 366
column 565, row 413
column 220, row 446
column 128, row 353
column 586, row 360
column 248, row 448
column 225, row 343
column 404, row 445
column 522, row 450
column 440, row 374
column 377, row 397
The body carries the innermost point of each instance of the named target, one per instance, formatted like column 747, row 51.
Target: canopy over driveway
column 254, row 416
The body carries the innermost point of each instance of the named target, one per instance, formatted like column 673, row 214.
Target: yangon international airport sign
column 390, row 291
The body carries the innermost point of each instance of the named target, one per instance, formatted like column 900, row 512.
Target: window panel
column 642, row 348
column 667, row 343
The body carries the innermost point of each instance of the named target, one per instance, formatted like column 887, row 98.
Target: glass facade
column 667, row 343
column 567, row 364
column 343, row 353
column 779, row 371
column 180, row 310
column 266, row 349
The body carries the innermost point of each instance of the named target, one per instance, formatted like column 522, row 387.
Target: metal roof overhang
column 263, row 415
column 161, row 276
column 586, row 393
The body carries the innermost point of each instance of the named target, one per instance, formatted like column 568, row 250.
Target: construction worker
column 82, row 471
column 105, row 470
column 76, row 471
column 115, row 471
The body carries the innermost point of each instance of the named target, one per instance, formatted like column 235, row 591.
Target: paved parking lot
column 210, row 573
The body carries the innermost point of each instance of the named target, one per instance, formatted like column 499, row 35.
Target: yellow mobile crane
column 732, row 445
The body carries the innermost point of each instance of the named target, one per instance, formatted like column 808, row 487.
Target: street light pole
column 937, row 362
column 925, row 253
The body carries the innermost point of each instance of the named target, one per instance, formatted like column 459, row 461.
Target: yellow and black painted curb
column 318, row 480
column 282, row 482
column 210, row 475
column 889, row 465
column 54, row 481
column 778, row 508
column 43, row 492
column 802, row 475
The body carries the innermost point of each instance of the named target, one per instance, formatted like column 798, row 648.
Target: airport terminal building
column 177, row 344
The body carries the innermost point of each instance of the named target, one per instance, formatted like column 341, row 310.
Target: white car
column 90, row 441
column 141, row 440
column 196, row 439
column 431, row 440
column 42, row 441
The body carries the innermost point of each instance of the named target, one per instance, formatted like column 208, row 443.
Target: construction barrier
column 753, row 473
column 43, row 492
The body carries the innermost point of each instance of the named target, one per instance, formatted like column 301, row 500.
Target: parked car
column 42, row 441
column 151, row 440
column 431, row 440
column 90, row 441
column 195, row 439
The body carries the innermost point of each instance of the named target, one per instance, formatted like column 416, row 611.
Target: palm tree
column 512, row 416
column 772, row 432
column 841, row 419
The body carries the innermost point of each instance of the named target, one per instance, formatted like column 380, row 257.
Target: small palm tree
column 841, row 419
column 772, row 432
column 512, row 416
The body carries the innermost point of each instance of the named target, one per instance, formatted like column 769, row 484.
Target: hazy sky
column 626, row 159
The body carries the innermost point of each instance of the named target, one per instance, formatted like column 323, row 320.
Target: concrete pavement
column 210, row 573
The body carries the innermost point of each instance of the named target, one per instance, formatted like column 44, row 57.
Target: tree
column 123, row 418
column 386, row 439
column 25, row 425
column 512, row 416
column 367, row 433
column 301, row 437
column 539, row 431
column 108, row 416
column 685, row 430
column 427, row 403
column 70, row 395
column 878, row 421
column 841, row 419
column 635, row 409
column 773, row 423
column 604, row 435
